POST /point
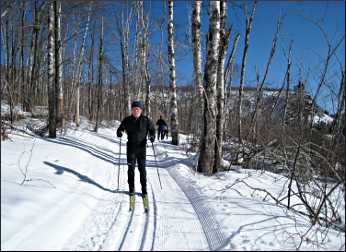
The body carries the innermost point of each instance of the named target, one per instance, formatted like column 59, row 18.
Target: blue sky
column 309, row 47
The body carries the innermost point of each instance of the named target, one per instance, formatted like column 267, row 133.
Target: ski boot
column 145, row 202
column 132, row 202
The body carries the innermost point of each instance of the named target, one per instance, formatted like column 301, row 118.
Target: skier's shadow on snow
column 61, row 169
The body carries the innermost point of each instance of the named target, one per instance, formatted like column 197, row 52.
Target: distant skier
column 162, row 128
column 137, row 127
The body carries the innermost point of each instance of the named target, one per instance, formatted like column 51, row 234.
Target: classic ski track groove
column 129, row 222
column 211, row 229
column 155, row 217
column 86, row 147
column 144, row 232
column 126, row 230
column 132, row 223
column 210, row 226
column 111, row 227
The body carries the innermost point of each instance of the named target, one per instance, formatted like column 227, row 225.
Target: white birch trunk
column 208, row 137
column 91, row 77
column 288, row 81
column 124, row 27
column 173, row 92
column 79, row 68
column 146, row 73
column 260, row 88
column 23, row 93
column 242, row 73
column 197, row 62
column 51, row 73
column 220, row 118
column 58, row 66
column 99, row 89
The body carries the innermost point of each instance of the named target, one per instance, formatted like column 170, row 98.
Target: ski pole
column 157, row 169
column 119, row 164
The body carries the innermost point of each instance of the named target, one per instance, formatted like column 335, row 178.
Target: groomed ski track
column 176, row 219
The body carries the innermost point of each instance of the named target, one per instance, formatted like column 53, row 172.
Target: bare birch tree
column 173, row 92
column 220, row 86
column 162, row 65
column 58, row 66
column 260, row 88
column 230, row 61
column 79, row 66
column 248, row 28
column 197, row 60
column 91, row 77
column 138, row 68
column 123, row 27
column 23, row 93
column 207, row 144
column 51, row 72
column 288, row 81
column 34, row 54
column 100, row 81
column 146, row 72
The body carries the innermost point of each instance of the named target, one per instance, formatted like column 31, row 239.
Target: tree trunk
column 260, row 88
column 197, row 63
column 207, row 144
column 146, row 72
column 242, row 74
column 99, row 93
column 51, row 73
column 138, row 71
column 173, row 92
column 220, row 118
column 163, row 106
column 33, row 56
column 79, row 68
column 91, row 77
column 124, row 30
column 288, row 81
column 229, row 65
column 23, row 93
column 58, row 67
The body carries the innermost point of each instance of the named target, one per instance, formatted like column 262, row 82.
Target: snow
column 324, row 118
column 70, row 200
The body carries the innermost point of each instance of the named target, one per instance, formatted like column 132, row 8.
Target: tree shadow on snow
column 113, row 159
column 61, row 169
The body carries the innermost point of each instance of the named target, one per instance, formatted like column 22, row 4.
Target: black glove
column 152, row 139
column 119, row 134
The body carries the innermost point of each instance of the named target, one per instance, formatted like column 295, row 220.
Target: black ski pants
column 160, row 134
column 136, row 154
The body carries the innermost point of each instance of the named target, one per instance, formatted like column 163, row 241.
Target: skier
column 137, row 127
column 162, row 128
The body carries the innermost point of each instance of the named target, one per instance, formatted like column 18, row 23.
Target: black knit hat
column 137, row 104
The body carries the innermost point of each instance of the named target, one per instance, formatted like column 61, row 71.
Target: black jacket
column 161, row 123
column 137, row 129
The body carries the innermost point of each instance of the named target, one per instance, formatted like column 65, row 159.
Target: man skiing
column 162, row 128
column 137, row 127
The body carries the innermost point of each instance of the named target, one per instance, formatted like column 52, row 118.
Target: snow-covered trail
column 71, row 201
column 85, row 211
column 170, row 223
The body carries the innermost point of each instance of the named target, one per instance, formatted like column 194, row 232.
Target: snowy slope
column 71, row 201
